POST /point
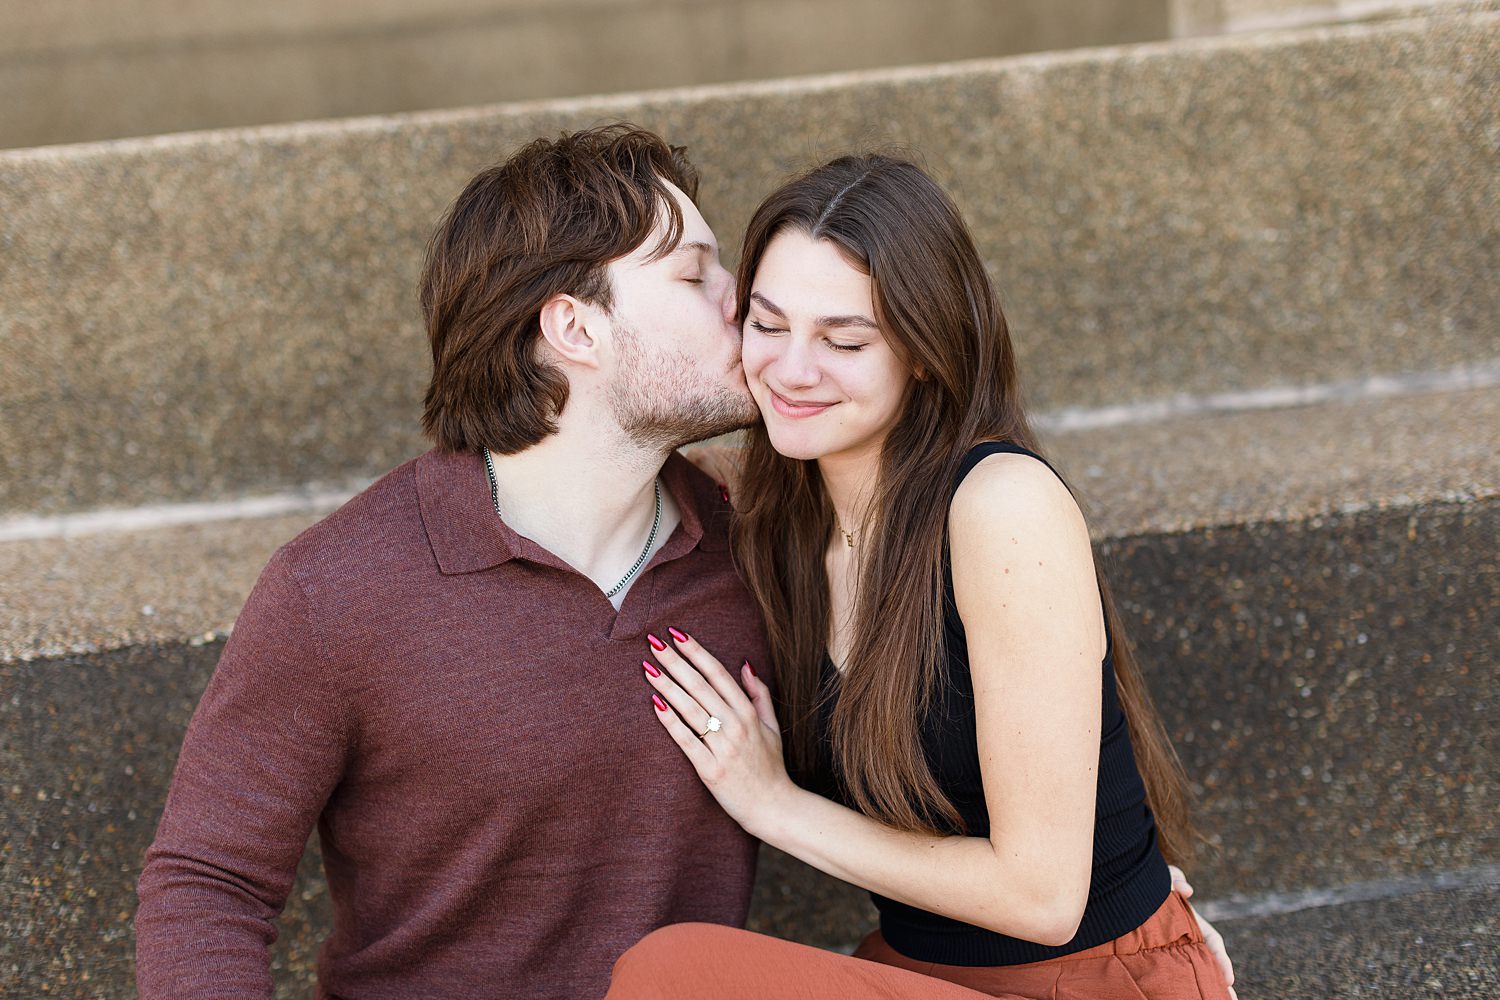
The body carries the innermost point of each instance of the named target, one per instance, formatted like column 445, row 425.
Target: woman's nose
column 794, row 366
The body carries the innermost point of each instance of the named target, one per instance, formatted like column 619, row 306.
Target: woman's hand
column 1211, row 937
column 739, row 760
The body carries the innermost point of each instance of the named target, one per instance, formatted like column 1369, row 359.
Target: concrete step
column 1441, row 942
column 169, row 573
column 1313, row 590
column 1204, row 17
column 200, row 317
column 171, row 67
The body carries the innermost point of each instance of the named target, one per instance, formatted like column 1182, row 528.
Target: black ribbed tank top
column 1130, row 879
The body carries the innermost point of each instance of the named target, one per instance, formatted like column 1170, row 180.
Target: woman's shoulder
column 1017, row 542
column 1007, row 484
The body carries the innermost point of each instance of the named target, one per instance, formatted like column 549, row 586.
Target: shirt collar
column 453, row 496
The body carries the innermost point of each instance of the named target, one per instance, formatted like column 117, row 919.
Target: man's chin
column 738, row 406
column 707, row 418
column 727, row 424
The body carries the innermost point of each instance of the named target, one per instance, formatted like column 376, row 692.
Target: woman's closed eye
column 760, row 327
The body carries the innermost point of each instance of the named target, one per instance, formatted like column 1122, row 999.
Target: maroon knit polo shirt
column 464, row 719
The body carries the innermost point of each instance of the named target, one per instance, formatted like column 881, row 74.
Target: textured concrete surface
column 1331, row 687
column 1330, row 683
column 87, row 747
column 111, row 590
column 169, row 67
column 1273, row 465
column 793, row 900
column 108, row 590
column 204, row 316
column 1426, row 946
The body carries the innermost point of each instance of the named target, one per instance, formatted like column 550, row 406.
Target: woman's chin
column 795, row 446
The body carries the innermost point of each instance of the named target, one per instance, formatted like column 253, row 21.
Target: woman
column 971, row 737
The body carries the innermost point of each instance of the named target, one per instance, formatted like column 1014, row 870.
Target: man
column 445, row 675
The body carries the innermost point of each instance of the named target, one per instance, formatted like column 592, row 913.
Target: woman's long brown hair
column 936, row 306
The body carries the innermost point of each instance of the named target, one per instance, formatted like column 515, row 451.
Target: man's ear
column 565, row 323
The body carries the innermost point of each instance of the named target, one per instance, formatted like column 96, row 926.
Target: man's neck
column 589, row 499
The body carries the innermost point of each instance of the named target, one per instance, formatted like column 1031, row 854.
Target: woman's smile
column 795, row 409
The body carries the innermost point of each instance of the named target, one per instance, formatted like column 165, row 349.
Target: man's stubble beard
column 660, row 403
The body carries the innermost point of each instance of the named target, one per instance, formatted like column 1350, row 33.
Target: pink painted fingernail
column 679, row 636
column 750, row 668
column 724, row 492
column 656, row 643
column 661, row 706
column 650, row 669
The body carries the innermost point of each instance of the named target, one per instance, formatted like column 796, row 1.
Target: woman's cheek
column 753, row 354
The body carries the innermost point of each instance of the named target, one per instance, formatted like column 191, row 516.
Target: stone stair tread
column 106, row 591
column 1285, row 464
column 1439, row 944
column 92, row 593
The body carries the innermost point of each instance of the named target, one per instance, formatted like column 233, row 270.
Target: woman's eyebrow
column 767, row 304
column 824, row 322
column 845, row 321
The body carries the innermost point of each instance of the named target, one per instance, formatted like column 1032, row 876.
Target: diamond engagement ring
column 713, row 726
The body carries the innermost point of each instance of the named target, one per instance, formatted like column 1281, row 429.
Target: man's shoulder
column 378, row 524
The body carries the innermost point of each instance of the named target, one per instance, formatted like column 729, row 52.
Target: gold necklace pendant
column 848, row 535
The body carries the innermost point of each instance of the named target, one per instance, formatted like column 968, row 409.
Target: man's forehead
column 694, row 238
column 691, row 248
column 695, row 229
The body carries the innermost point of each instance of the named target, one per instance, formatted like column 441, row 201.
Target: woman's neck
column 850, row 482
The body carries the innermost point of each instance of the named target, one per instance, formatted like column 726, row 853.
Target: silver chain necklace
column 489, row 467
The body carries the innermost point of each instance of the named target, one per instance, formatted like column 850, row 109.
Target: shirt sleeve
column 263, row 753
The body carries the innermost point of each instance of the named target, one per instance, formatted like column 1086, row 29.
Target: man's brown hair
column 543, row 223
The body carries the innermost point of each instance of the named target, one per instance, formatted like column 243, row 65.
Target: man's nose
column 731, row 304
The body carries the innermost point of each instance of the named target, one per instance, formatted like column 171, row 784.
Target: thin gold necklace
column 848, row 535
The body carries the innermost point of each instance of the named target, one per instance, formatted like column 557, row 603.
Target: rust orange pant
column 1163, row 959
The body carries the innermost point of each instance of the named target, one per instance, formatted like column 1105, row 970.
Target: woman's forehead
column 802, row 273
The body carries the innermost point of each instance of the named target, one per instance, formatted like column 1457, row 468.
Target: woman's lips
column 787, row 408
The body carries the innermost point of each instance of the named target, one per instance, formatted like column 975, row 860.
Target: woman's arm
column 1025, row 585
column 1024, row 580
